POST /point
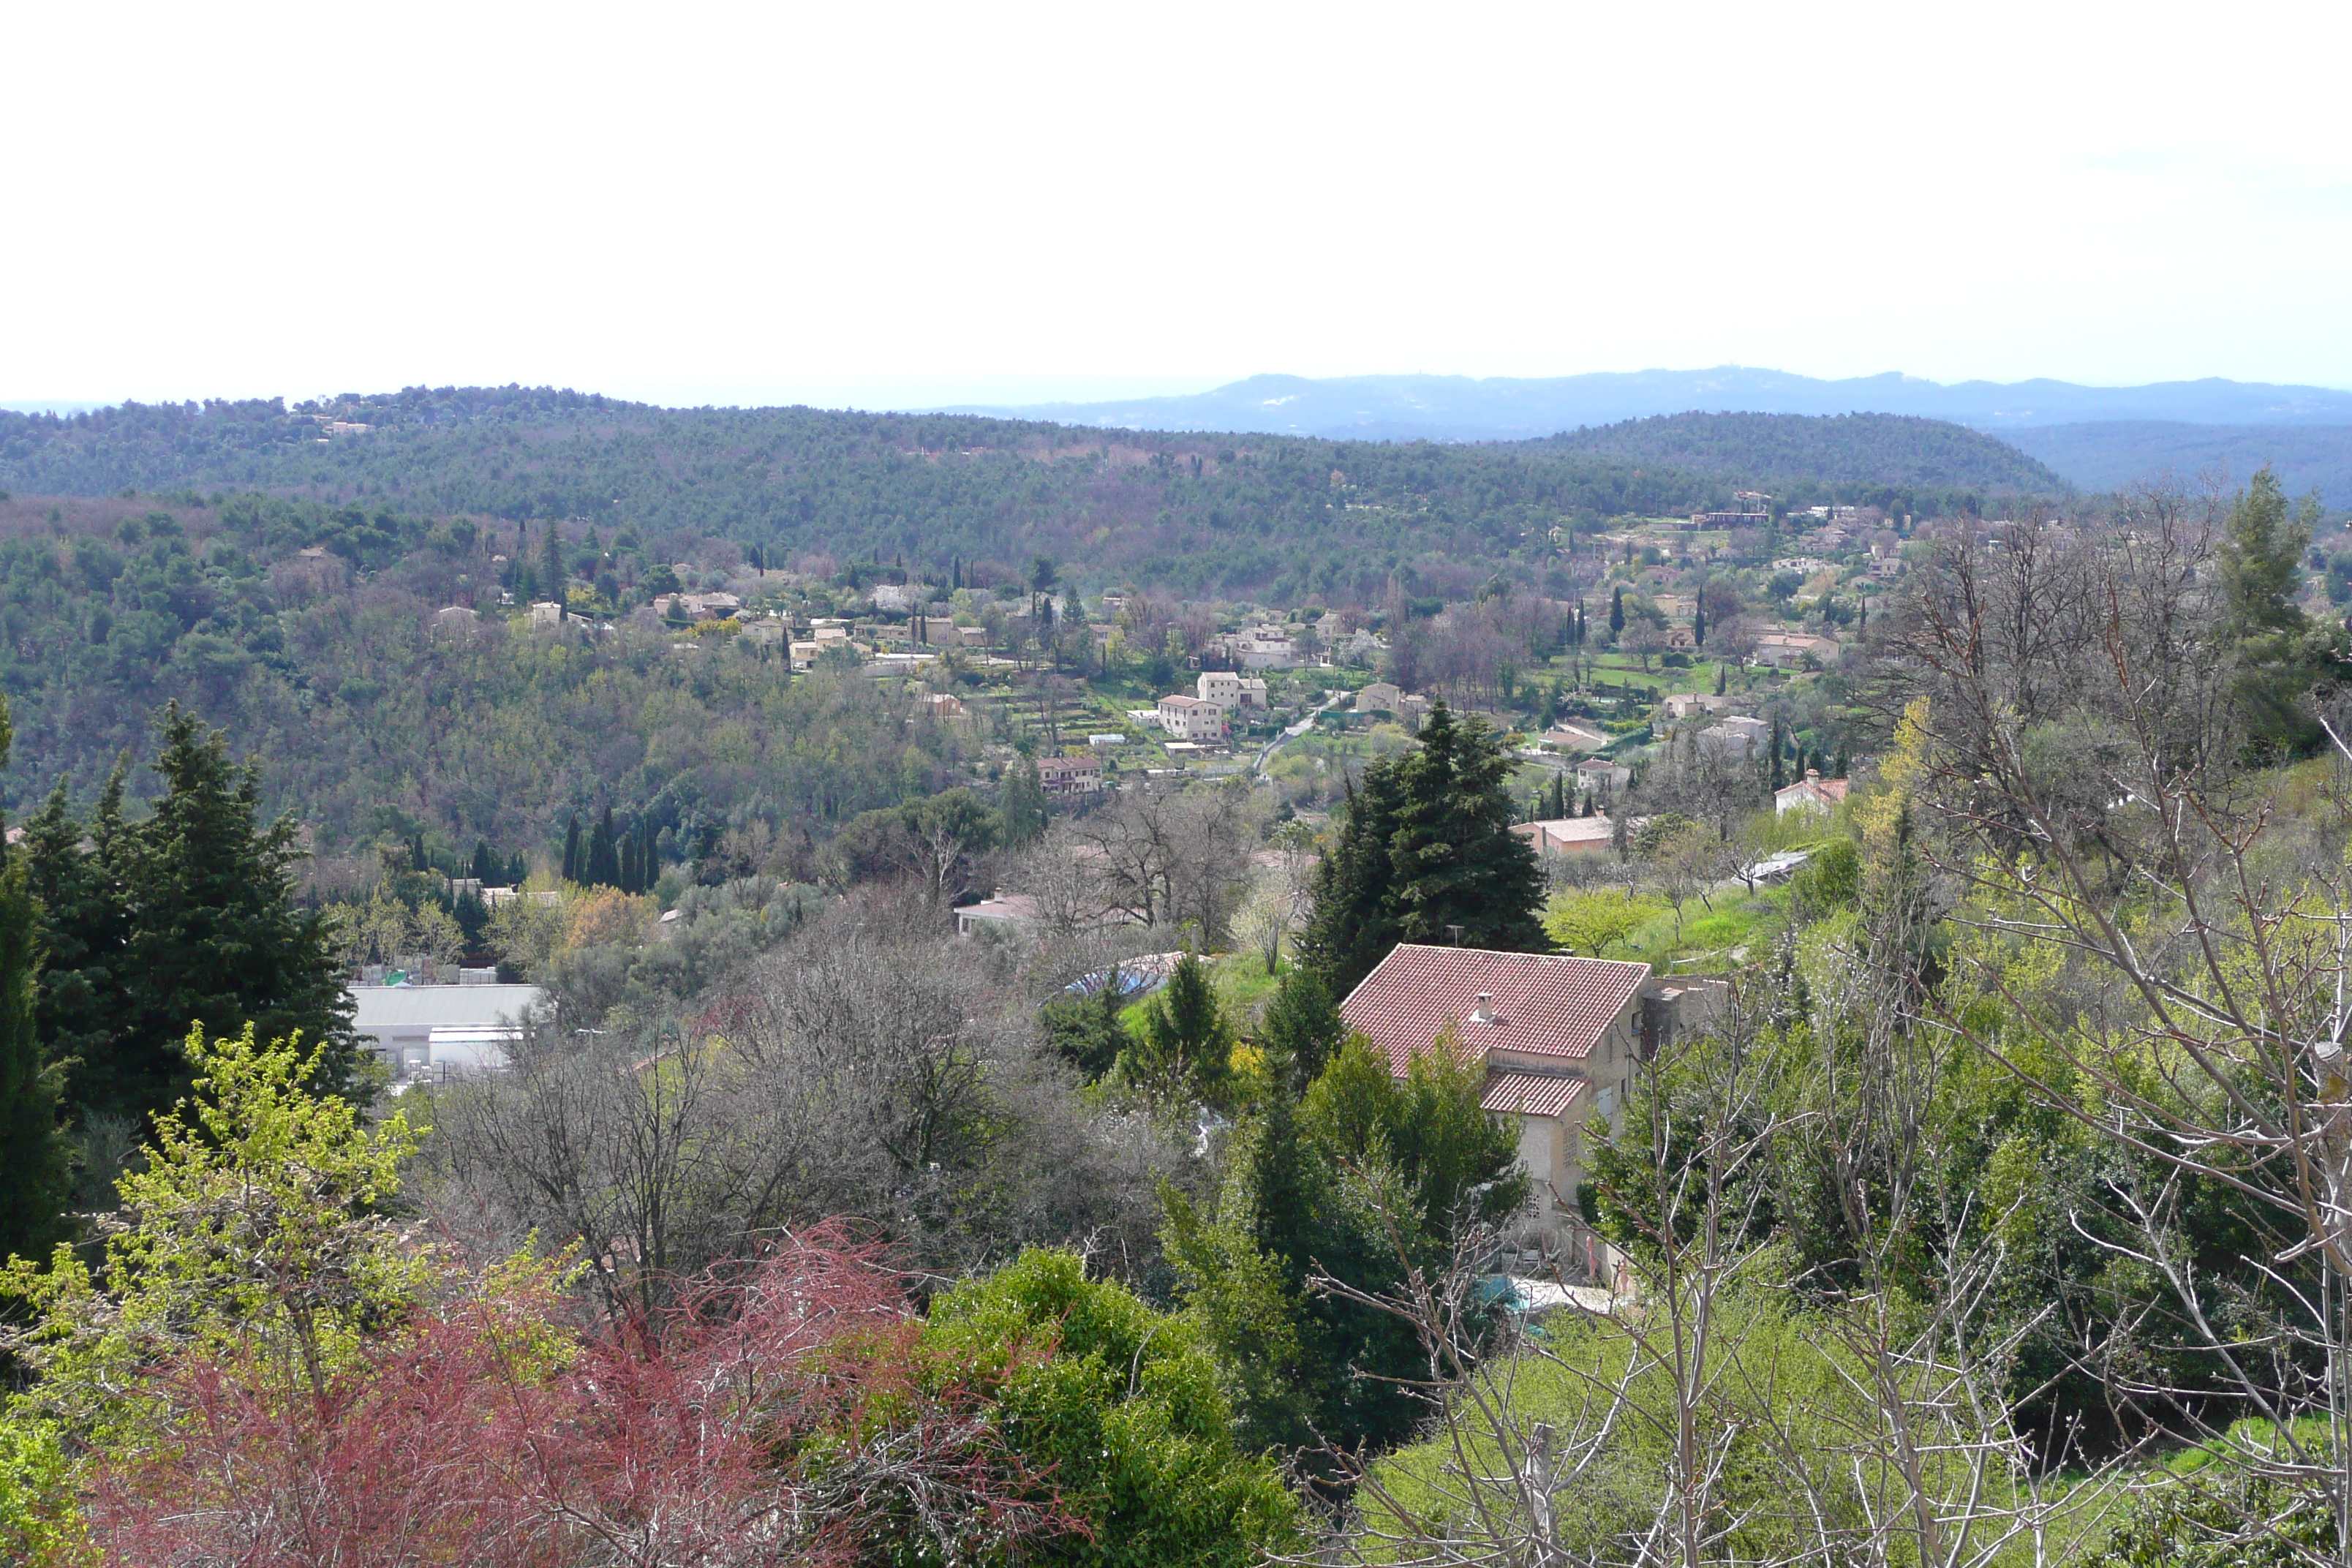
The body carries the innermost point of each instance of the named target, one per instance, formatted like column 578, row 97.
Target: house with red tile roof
column 1557, row 1037
column 1812, row 793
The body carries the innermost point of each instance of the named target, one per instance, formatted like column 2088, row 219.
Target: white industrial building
column 431, row 1032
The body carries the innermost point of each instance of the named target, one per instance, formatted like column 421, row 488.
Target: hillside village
column 1648, row 629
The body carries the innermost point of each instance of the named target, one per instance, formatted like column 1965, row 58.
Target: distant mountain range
column 2095, row 436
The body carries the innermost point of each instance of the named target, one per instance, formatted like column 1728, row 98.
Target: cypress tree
column 1722, row 677
column 1779, row 776
column 1021, row 805
column 36, row 1152
column 485, row 869
column 604, row 869
column 517, row 871
column 573, row 870
column 557, row 578
column 1698, row 622
column 1617, row 608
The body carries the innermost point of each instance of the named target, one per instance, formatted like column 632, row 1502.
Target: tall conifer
column 35, row 1154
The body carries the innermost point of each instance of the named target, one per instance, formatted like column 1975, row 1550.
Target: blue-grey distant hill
column 1834, row 448
column 1460, row 408
column 2108, row 455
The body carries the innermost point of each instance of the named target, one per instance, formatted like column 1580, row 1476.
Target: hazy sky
column 887, row 204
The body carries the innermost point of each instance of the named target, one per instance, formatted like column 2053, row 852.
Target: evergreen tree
column 1085, row 1030
column 518, row 872
column 486, row 864
column 1425, row 844
column 555, row 579
column 1307, row 1364
column 604, row 869
column 2261, row 570
column 1353, row 924
column 1184, row 1051
column 202, row 899
column 1301, row 1032
column 1698, row 622
column 1457, row 861
column 1021, row 805
column 1617, row 608
column 1722, row 678
column 85, row 917
column 573, row 871
column 1779, row 776
column 36, row 1152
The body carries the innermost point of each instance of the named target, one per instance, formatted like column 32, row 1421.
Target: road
column 1265, row 753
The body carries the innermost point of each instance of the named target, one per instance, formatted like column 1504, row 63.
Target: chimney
column 1485, row 1013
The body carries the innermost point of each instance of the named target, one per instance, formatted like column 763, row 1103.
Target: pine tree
column 1425, row 844
column 85, row 917
column 1184, row 1050
column 35, row 1150
column 573, row 871
column 1457, row 861
column 2261, row 572
column 1301, row 1032
column 202, row 899
column 1354, row 925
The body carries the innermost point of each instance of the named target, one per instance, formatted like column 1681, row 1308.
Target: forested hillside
column 375, row 718
column 1277, row 518
column 1841, row 449
column 1191, row 514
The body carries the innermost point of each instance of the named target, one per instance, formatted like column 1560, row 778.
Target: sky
column 893, row 205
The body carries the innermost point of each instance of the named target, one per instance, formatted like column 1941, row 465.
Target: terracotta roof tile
column 1530, row 1094
column 1545, row 1004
